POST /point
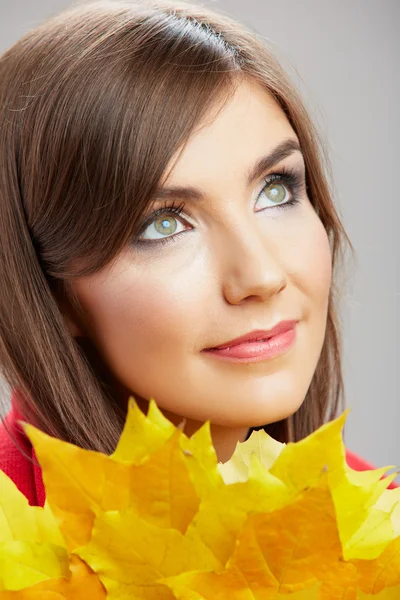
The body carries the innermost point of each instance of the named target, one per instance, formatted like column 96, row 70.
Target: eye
column 281, row 191
column 162, row 225
column 274, row 193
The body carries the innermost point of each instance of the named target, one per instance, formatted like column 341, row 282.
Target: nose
column 250, row 265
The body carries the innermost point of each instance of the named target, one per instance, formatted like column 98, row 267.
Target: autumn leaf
column 264, row 447
column 376, row 575
column 79, row 484
column 201, row 460
column 354, row 494
column 224, row 511
column 20, row 521
column 142, row 435
column 285, row 551
column 131, row 555
column 34, row 561
column 82, row 583
column 386, row 594
column 161, row 519
column 31, row 546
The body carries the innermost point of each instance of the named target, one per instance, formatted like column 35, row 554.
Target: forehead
column 250, row 124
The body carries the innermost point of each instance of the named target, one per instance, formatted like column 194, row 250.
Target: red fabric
column 28, row 476
column 17, row 458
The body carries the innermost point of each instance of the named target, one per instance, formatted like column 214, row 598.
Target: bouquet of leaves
column 161, row 519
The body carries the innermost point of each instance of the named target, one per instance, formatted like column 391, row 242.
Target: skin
column 236, row 268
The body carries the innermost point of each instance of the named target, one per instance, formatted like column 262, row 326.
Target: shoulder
column 17, row 458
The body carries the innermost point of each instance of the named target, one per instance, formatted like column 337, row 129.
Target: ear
column 69, row 318
column 72, row 326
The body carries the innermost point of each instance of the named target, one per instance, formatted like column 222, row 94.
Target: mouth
column 258, row 345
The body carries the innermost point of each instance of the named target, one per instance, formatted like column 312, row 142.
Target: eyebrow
column 283, row 150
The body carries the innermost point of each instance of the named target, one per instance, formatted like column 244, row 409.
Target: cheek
column 145, row 314
column 322, row 262
column 309, row 258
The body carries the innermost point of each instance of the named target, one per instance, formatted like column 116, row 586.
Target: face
column 244, row 256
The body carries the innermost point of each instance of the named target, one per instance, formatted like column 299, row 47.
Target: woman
column 167, row 231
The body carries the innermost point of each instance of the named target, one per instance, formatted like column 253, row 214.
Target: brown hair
column 94, row 102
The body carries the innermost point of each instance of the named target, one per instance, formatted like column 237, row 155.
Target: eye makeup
column 287, row 177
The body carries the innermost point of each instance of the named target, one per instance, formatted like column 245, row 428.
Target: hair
column 94, row 102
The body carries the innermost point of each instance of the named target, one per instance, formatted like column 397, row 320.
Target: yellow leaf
column 300, row 544
column 300, row 465
column 82, row 583
column 161, row 489
column 201, row 460
column 246, row 576
column 224, row 511
column 264, row 447
column 365, row 530
column 232, row 585
column 20, row 521
column 389, row 503
column 386, row 594
column 142, row 435
column 31, row 546
column 79, row 484
column 383, row 572
column 131, row 555
column 161, row 519
column 24, row 563
column 34, row 561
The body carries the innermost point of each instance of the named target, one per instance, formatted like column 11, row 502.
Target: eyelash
column 289, row 177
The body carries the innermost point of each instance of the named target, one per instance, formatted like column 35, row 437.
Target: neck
column 224, row 438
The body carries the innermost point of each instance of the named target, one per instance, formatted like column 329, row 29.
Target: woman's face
column 238, row 259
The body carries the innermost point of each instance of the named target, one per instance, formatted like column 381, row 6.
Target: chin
column 259, row 416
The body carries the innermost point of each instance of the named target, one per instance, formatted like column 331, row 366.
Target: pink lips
column 258, row 345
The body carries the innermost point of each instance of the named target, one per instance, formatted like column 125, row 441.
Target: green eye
column 162, row 224
column 273, row 194
column 276, row 192
column 165, row 225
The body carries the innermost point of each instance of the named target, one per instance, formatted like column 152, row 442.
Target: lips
column 258, row 335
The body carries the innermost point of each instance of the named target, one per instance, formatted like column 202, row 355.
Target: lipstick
column 258, row 345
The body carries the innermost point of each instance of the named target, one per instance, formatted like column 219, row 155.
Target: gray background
column 344, row 55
